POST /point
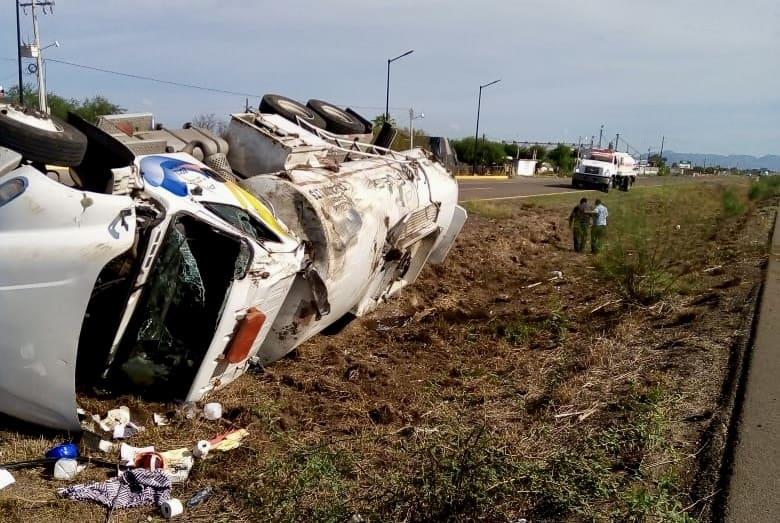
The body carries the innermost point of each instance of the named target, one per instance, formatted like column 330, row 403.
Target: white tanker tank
column 370, row 221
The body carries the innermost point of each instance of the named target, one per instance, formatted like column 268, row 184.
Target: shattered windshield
column 181, row 308
column 243, row 221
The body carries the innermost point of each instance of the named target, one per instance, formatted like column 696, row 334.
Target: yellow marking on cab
column 247, row 200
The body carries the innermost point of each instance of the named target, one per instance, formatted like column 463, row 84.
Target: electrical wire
column 151, row 79
column 186, row 85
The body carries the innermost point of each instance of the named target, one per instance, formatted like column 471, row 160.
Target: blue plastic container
column 65, row 450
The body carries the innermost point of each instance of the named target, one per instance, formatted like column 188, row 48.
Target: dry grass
column 473, row 396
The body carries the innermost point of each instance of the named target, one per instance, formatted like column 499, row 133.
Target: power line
column 151, row 79
column 180, row 84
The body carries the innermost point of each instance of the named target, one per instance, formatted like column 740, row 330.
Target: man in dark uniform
column 579, row 221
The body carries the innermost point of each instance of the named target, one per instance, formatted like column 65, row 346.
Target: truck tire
column 290, row 109
column 40, row 138
column 337, row 120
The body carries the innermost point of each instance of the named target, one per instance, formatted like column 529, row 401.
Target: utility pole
column 661, row 154
column 412, row 118
column 19, row 54
column 35, row 49
column 617, row 140
column 601, row 133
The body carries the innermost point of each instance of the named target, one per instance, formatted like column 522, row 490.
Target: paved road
column 538, row 186
column 754, row 488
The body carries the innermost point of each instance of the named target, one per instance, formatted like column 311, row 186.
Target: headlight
column 11, row 189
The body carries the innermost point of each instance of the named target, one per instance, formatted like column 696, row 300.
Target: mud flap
column 448, row 238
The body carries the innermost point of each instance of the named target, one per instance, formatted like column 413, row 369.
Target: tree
column 487, row 152
column 656, row 160
column 89, row 108
column 379, row 120
column 210, row 122
column 562, row 157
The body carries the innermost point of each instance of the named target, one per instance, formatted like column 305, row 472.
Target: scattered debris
column 133, row 488
column 610, row 302
column 127, row 430
column 201, row 449
column 229, row 440
column 533, row 285
column 171, row 508
column 128, row 453
column 212, row 411
column 178, row 464
column 199, row 497
column 6, row 479
column 149, row 461
column 66, row 469
column 64, row 450
column 161, row 420
column 114, row 418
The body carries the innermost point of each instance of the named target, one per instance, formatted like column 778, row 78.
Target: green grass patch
column 764, row 188
column 490, row 209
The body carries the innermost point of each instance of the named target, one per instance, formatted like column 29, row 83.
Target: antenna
column 34, row 50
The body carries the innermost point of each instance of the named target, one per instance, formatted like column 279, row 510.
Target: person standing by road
column 579, row 221
column 599, row 229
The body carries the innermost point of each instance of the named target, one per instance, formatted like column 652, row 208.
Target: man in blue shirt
column 599, row 229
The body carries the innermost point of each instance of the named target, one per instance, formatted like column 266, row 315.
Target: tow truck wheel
column 290, row 109
column 337, row 120
column 41, row 138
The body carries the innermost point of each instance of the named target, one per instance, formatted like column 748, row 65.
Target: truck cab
column 603, row 169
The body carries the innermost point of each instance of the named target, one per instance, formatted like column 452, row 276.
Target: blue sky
column 703, row 72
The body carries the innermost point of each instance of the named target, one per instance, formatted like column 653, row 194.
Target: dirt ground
column 517, row 380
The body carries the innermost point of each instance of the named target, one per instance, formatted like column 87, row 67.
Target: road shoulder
column 754, row 487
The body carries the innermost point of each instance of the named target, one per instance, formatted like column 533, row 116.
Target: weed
column 765, row 188
column 488, row 209
column 457, row 475
column 643, row 251
column 732, row 205
column 304, row 485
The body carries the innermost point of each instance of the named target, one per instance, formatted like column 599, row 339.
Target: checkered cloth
column 134, row 488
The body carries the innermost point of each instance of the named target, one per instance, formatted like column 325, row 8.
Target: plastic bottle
column 199, row 497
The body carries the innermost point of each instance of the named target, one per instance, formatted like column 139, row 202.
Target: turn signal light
column 248, row 329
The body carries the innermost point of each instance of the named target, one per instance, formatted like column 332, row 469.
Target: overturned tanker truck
column 165, row 262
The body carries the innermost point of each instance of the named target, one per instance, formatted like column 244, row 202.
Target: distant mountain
column 770, row 161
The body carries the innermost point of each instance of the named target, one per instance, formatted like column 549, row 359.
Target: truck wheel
column 337, row 120
column 41, row 138
column 290, row 109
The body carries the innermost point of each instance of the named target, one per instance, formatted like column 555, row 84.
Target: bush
column 765, row 188
column 643, row 255
column 732, row 205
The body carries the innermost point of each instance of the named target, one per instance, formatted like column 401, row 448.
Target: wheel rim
column 338, row 114
column 295, row 109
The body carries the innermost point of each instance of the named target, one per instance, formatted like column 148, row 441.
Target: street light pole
column 387, row 93
column 476, row 134
column 601, row 133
